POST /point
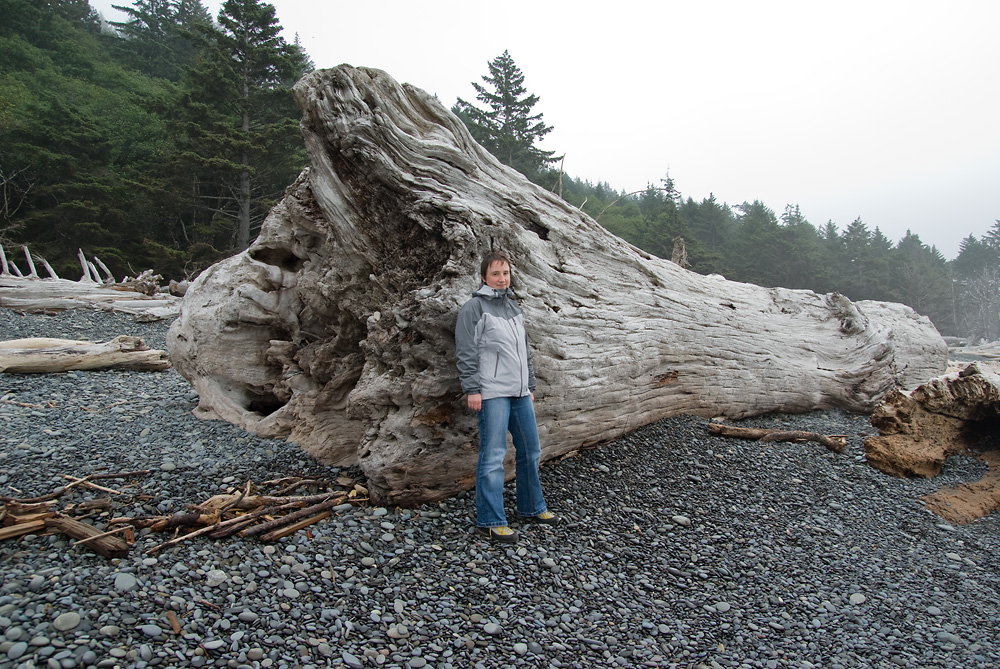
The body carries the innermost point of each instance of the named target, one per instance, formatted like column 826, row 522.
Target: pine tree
column 507, row 128
column 155, row 36
column 239, row 124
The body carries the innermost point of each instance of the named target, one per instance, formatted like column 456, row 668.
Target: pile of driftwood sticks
column 246, row 512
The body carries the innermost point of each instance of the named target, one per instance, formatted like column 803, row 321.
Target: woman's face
column 497, row 275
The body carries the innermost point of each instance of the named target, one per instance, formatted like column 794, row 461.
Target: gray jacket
column 492, row 346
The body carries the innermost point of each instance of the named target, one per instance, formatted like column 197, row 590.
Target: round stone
column 151, row 630
column 521, row 648
column 858, row 598
column 492, row 629
column 683, row 521
column 248, row 617
column 17, row 650
column 722, row 607
column 66, row 621
column 126, row 582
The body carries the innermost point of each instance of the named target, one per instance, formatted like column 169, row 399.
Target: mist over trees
column 161, row 141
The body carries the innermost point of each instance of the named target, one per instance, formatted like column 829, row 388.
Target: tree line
column 161, row 141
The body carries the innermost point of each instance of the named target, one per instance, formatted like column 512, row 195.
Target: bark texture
column 335, row 327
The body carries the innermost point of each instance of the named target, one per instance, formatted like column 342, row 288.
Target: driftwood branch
column 332, row 501
column 835, row 443
column 97, row 541
column 42, row 355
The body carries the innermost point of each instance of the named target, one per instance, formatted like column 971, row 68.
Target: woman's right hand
column 475, row 402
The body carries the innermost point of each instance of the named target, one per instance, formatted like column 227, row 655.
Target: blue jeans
column 498, row 416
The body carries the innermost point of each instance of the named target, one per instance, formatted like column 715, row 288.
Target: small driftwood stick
column 32, row 272
column 283, row 532
column 221, row 524
column 58, row 492
column 255, row 501
column 108, row 546
column 116, row 531
column 86, row 482
column 833, row 443
column 299, row 484
column 242, row 521
column 294, row 516
column 20, row 529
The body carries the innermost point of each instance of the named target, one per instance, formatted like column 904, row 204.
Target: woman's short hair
column 489, row 259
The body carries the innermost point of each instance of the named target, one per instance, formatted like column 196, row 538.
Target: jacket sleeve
column 465, row 347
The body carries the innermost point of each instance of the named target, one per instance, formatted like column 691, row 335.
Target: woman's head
column 495, row 270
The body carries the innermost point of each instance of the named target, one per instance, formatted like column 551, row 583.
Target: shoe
column 503, row 535
column 545, row 518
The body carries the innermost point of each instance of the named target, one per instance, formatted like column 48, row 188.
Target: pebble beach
column 678, row 549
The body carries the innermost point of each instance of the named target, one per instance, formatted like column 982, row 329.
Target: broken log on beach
column 949, row 415
column 335, row 328
column 44, row 355
column 920, row 428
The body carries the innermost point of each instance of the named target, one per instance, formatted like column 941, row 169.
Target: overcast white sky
column 884, row 110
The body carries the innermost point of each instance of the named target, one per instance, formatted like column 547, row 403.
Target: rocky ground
column 680, row 549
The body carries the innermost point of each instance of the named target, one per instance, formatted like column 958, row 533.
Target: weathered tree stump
column 335, row 327
column 920, row 429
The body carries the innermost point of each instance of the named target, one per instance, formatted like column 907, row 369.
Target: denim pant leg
column 493, row 420
column 524, row 430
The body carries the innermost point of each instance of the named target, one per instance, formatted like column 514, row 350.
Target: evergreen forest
column 161, row 142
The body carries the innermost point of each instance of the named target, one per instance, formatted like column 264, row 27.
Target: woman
column 494, row 365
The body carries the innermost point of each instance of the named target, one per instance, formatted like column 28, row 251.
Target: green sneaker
column 545, row 518
column 503, row 535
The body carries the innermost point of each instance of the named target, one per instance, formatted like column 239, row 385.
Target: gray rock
column 17, row 649
column 151, row 630
column 350, row 660
column 125, row 582
column 66, row 621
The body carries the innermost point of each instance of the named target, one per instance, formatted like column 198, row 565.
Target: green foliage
column 156, row 37
column 507, row 128
column 163, row 144
column 236, row 125
column 108, row 144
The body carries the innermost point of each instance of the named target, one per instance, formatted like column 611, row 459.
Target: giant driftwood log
column 335, row 327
